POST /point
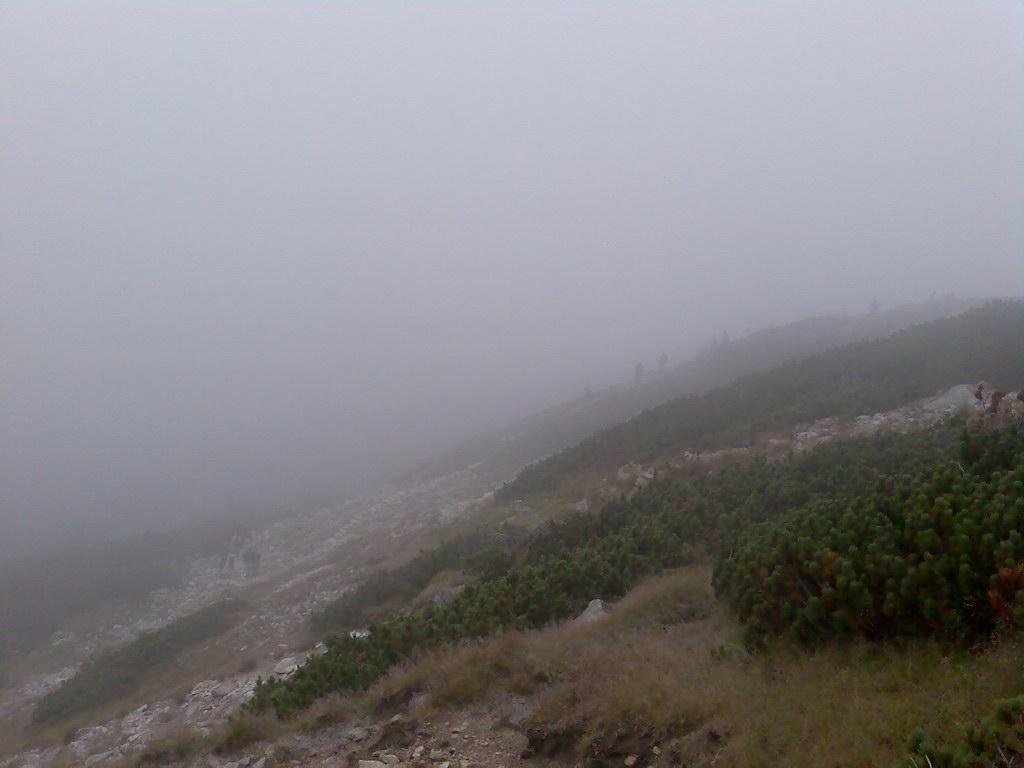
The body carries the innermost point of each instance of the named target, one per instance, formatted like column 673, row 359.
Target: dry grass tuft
column 242, row 730
column 683, row 595
column 856, row 706
column 515, row 661
column 522, row 662
column 653, row 664
column 171, row 750
column 328, row 710
column 650, row 677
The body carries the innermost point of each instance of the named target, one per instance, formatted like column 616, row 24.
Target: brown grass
column 171, row 748
column 650, row 666
column 242, row 730
column 523, row 662
column 857, row 706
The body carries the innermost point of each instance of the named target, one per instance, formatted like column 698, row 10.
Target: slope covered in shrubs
column 720, row 363
column 936, row 554
column 118, row 673
column 567, row 563
column 986, row 343
column 484, row 554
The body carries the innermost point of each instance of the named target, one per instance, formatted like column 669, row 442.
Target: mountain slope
column 719, row 364
column 986, row 343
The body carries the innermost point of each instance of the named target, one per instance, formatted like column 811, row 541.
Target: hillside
column 781, row 539
column 59, row 586
column 986, row 343
column 718, row 364
column 867, row 589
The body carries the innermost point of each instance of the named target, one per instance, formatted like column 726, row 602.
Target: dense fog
column 260, row 255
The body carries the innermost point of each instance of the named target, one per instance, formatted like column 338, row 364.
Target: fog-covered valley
column 404, row 383
column 256, row 259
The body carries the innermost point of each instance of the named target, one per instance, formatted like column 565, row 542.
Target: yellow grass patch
column 667, row 657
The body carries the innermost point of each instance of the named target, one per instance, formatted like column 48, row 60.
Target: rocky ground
column 489, row 736
column 303, row 567
column 301, row 571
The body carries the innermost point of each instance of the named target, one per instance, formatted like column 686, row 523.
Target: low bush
column 939, row 555
column 119, row 673
column 998, row 740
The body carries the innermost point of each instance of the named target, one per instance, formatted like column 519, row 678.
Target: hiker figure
column 638, row 373
column 979, row 394
column 662, row 362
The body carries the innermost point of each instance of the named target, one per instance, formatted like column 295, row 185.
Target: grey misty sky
column 255, row 252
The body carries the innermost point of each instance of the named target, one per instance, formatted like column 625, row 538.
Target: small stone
column 357, row 734
column 436, row 754
column 389, row 759
column 371, row 764
column 596, row 610
column 286, row 666
column 630, row 761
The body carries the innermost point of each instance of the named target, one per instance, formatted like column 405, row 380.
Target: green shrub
column 603, row 554
column 484, row 553
column 998, row 740
column 938, row 555
column 118, row 673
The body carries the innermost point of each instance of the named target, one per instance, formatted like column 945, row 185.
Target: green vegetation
column 997, row 740
column 55, row 588
column 898, row 536
column 984, row 343
column 119, row 673
column 937, row 555
column 567, row 563
column 717, row 365
column 485, row 554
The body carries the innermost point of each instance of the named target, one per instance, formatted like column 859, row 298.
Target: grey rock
column 419, row 702
column 519, row 715
column 447, row 594
column 960, row 396
column 358, row 733
column 286, row 666
column 595, row 610
column 103, row 758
